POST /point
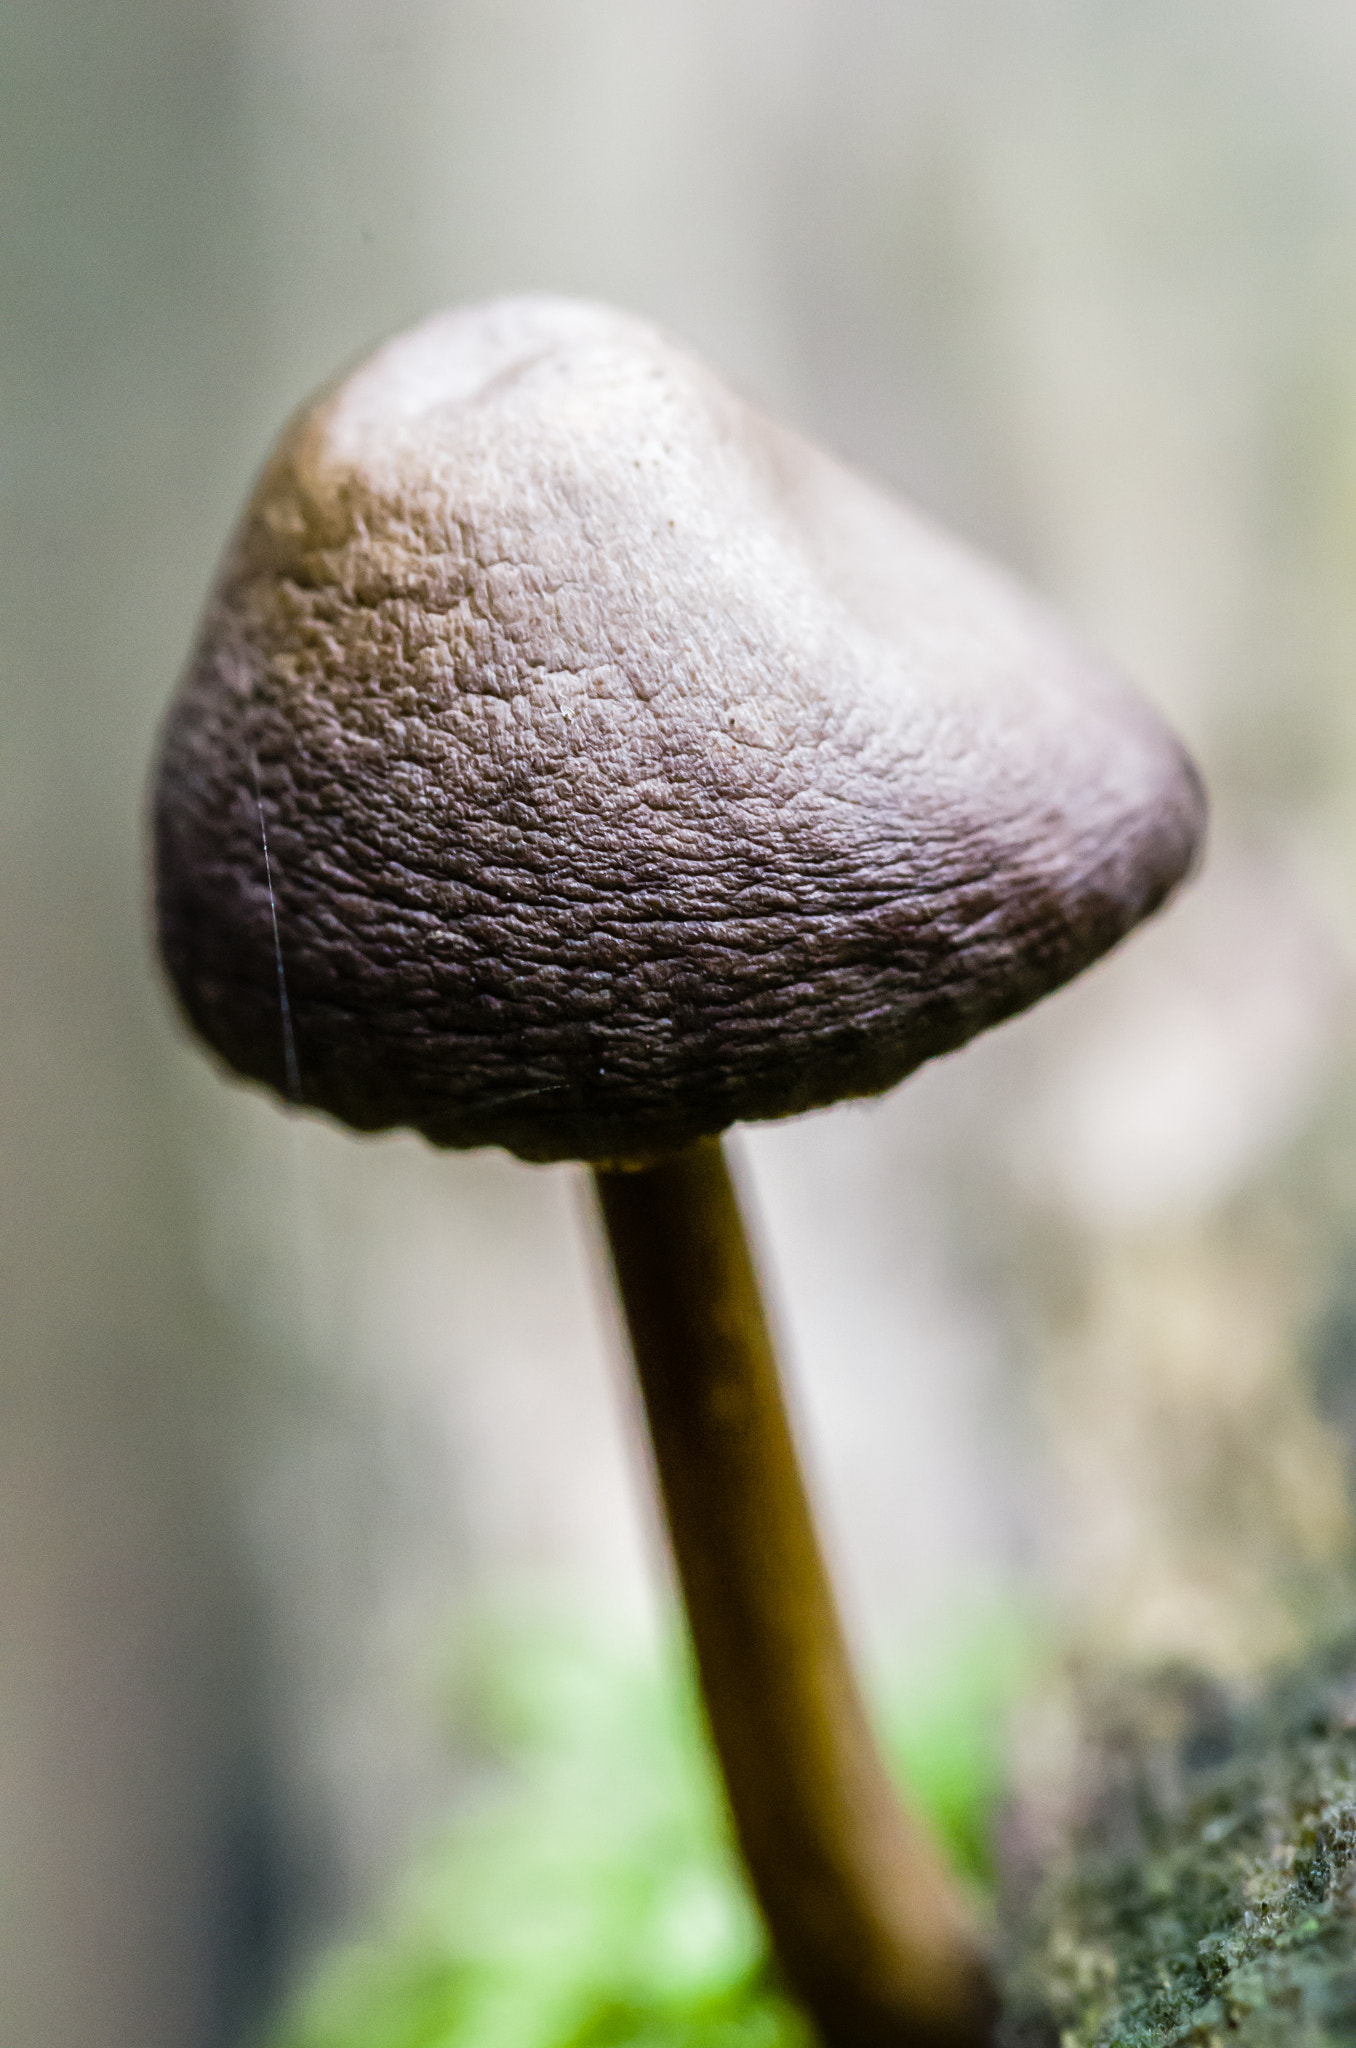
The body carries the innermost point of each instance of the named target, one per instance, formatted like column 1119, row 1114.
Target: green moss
column 591, row 1898
column 1211, row 1898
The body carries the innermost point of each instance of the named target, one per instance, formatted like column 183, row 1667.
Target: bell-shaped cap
column 575, row 760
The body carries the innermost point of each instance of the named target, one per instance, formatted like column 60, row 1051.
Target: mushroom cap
column 573, row 759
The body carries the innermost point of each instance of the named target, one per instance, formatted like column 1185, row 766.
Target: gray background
column 1068, row 1319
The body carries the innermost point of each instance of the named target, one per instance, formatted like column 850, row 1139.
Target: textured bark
column 1209, row 1896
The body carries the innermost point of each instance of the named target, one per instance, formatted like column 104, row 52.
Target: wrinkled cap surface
column 591, row 762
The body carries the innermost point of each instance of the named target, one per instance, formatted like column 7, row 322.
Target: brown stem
column 866, row 1922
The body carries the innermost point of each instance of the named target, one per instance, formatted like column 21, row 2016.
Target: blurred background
column 1070, row 1320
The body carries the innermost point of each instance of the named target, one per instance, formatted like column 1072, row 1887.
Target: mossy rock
column 1210, row 1894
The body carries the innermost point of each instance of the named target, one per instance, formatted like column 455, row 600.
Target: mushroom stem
column 866, row 1922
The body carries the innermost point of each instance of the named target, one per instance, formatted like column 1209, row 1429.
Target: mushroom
column 572, row 759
